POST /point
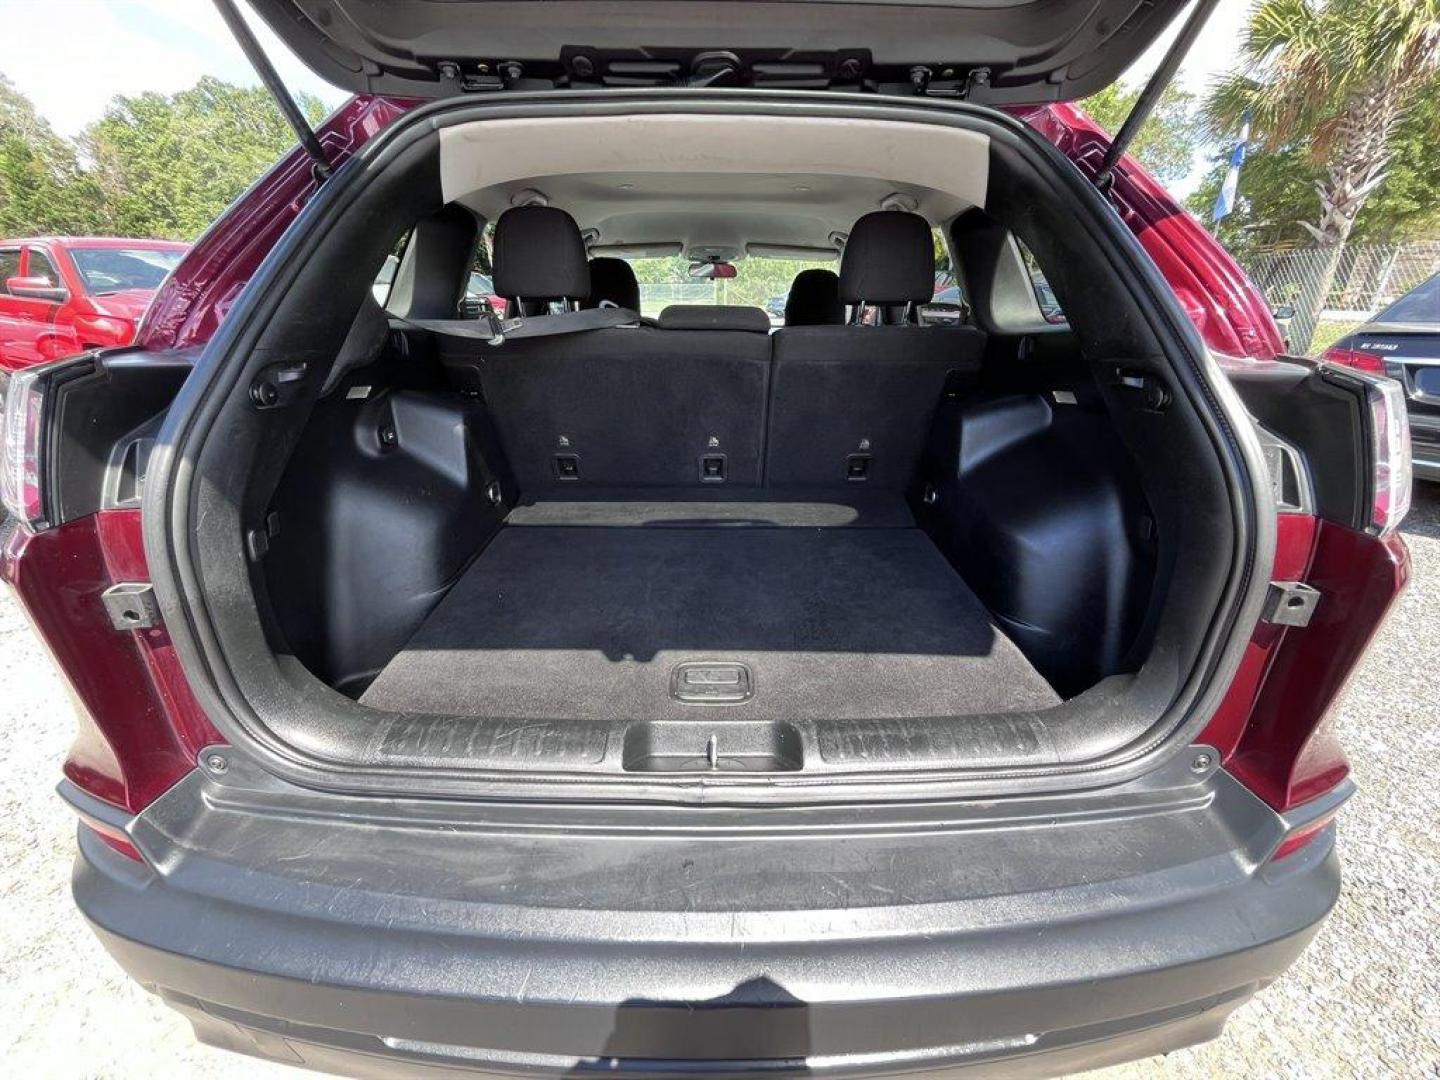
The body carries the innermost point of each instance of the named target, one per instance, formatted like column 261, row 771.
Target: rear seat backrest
column 853, row 404
column 629, row 406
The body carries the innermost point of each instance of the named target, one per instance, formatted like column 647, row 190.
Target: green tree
column 42, row 187
column 1277, row 190
column 1167, row 141
column 168, row 164
column 1339, row 74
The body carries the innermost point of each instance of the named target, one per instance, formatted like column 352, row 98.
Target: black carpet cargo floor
column 592, row 624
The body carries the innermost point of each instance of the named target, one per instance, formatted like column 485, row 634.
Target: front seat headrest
column 889, row 259
column 612, row 280
column 539, row 255
column 814, row 300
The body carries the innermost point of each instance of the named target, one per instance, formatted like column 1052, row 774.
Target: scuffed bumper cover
column 1029, row 937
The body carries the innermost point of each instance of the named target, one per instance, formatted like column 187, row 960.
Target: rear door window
column 1044, row 295
column 9, row 267
column 759, row 281
column 41, row 266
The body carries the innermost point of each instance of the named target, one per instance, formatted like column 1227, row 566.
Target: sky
column 70, row 57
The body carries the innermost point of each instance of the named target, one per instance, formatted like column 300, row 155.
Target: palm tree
column 1338, row 74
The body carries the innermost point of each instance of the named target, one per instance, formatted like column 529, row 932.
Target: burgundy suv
column 899, row 690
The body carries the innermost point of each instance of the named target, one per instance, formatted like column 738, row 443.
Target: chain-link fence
column 1366, row 279
column 656, row 297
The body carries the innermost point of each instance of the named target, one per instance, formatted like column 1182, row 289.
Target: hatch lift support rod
column 1150, row 96
column 271, row 78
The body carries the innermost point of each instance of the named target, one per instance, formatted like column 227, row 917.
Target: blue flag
column 1225, row 201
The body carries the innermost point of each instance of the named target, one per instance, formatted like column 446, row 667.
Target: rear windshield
column 758, row 282
column 108, row 270
column 1419, row 305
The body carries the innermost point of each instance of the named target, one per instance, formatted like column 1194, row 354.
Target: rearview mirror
column 710, row 271
column 35, row 288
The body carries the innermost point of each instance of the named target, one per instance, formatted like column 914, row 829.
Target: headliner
column 715, row 181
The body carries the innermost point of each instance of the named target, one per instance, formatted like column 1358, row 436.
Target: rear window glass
column 758, row 282
column 1044, row 295
column 108, row 270
column 1419, row 305
column 41, row 267
column 9, row 266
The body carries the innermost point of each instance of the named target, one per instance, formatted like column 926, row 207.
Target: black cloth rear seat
column 853, row 404
column 661, row 407
column 629, row 406
column 624, row 407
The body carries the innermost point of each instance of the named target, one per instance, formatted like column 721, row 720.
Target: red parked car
column 572, row 692
column 60, row 295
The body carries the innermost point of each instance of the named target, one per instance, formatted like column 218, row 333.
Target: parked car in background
column 63, row 295
column 480, row 290
column 1403, row 341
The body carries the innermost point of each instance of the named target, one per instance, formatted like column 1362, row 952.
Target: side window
column 1044, row 295
column 380, row 288
column 9, row 267
column 41, row 266
column 948, row 306
column 384, row 282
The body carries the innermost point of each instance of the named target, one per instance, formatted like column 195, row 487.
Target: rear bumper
column 512, row 957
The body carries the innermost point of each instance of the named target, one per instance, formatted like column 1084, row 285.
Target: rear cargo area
column 789, row 607
column 702, row 543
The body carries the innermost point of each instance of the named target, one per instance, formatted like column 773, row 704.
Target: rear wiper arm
column 271, row 78
column 1150, row 96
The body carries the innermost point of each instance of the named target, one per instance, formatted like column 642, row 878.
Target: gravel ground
column 1362, row 1001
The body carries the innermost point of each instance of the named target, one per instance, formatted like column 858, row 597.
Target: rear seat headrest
column 714, row 317
column 539, row 255
column 612, row 280
column 814, row 300
column 889, row 259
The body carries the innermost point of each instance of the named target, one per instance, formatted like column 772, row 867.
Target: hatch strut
column 1150, row 96
column 271, row 78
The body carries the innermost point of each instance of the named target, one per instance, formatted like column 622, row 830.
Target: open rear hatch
column 995, row 51
column 1060, row 530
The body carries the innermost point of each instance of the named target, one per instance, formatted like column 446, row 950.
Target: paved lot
column 1364, row 1000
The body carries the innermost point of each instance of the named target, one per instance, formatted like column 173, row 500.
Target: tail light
column 1389, row 453
column 21, row 447
column 1355, row 358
